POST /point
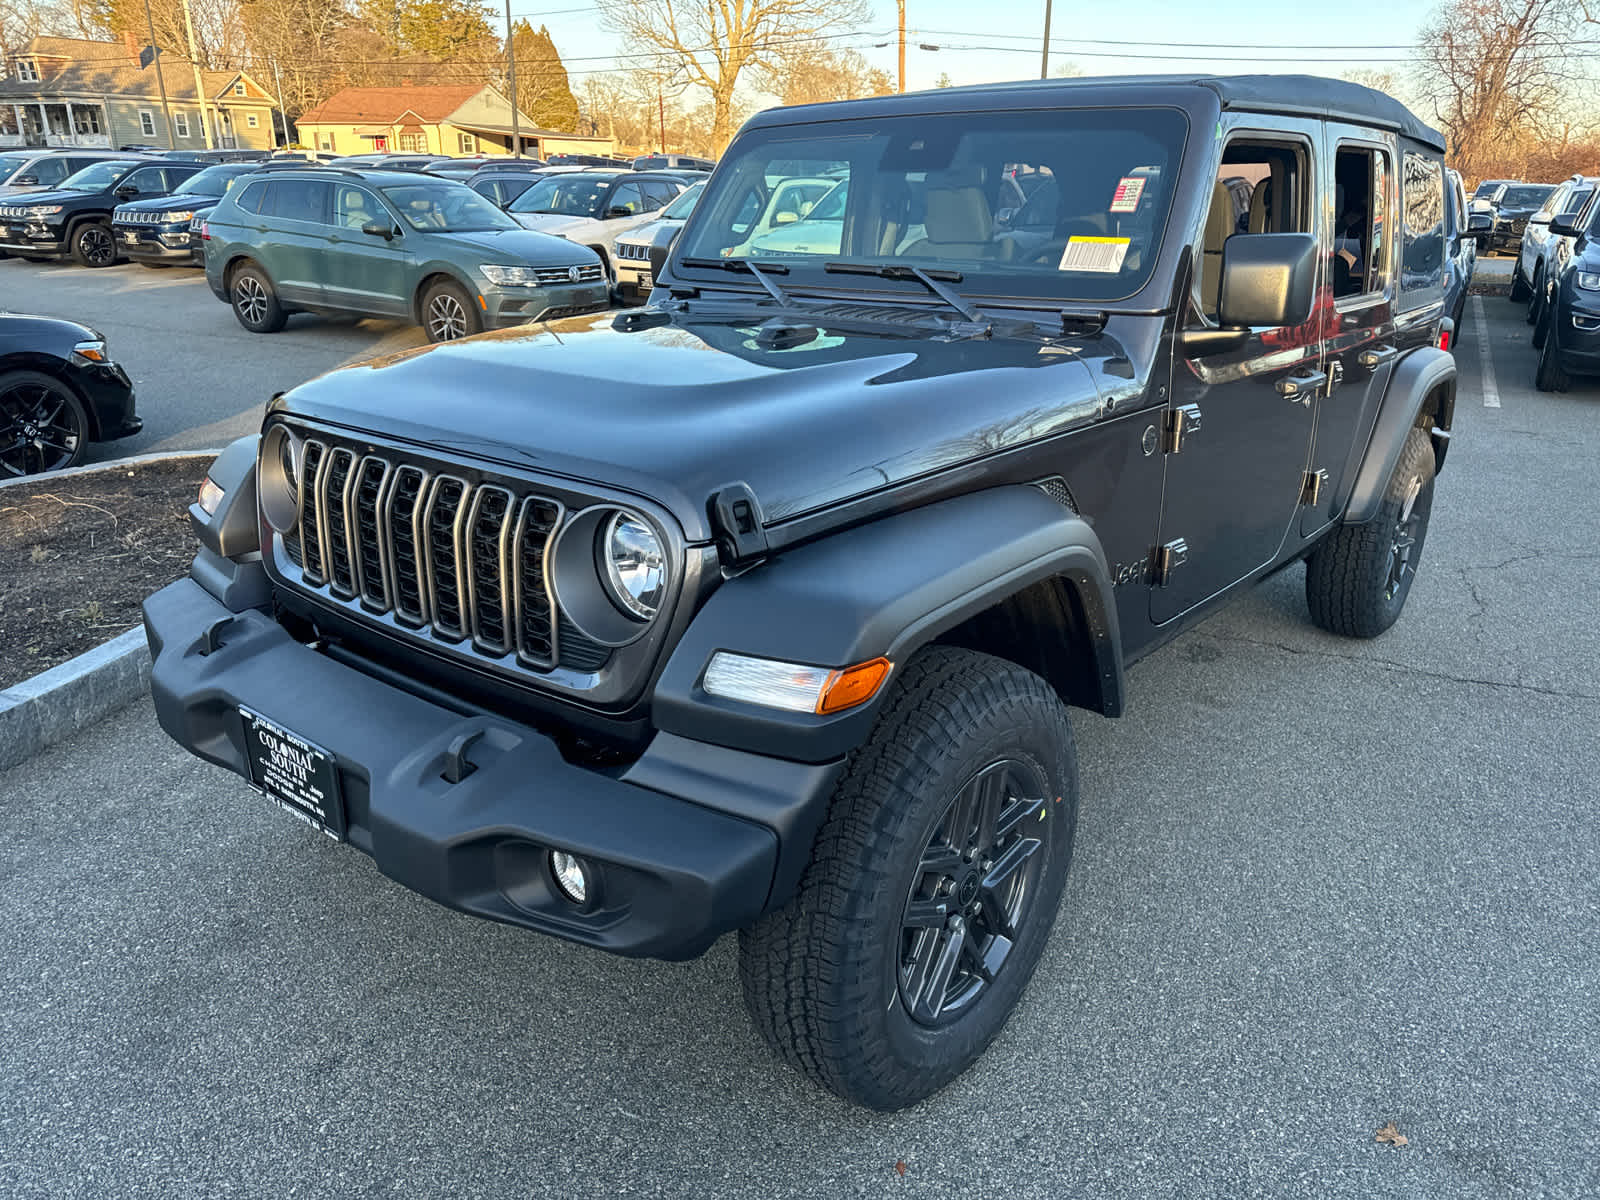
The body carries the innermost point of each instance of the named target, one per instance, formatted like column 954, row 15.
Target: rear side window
column 249, row 200
column 297, row 200
column 1422, row 212
column 1359, row 250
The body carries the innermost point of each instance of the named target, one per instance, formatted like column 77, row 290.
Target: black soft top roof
column 1294, row 95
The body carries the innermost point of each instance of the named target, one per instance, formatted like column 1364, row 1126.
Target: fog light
column 569, row 876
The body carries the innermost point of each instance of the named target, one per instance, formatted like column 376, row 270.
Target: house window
column 469, row 143
column 27, row 70
column 252, row 120
column 181, row 122
column 238, row 88
column 86, row 120
column 147, row 122
column 325, row 142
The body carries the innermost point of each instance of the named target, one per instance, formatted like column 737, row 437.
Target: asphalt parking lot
column 1320, row 885
column 201, row 379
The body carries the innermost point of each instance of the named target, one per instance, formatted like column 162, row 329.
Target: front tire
column 448, row 313
column 1551, row 376
column 43, row 425
column 255, row 302
column 1520, row 290
column 1536, row 300
column 93, row 245
column 932, row 887
column 1358, row 577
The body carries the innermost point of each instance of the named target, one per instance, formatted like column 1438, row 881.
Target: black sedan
column 59, row 391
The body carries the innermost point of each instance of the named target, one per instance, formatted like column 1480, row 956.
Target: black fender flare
column 1415, row 378
column 884, row 588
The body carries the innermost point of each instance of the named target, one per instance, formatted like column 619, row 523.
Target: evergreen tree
column 543, row 91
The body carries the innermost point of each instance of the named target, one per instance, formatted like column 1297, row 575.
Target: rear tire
column 93, row 244
column 1551, row 376
column 448, row 313
column 1520, row 290
column 890, row 970
column 1541, row 331
column 255, row 303
column 1536, row 298
column 1358, row 577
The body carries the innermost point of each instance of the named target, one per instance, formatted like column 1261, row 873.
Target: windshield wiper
column 761, row 273
column 928, row 279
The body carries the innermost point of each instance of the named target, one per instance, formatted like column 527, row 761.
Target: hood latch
column 737, row 521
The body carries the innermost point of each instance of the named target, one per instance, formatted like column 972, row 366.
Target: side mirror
column 1565, row 226
column 1267, row 279
column 379, row 229
column 126, row 191
column 1479, row 223
column 26, row 181
column 618, row 211
column 658, row 255
column 785, row 218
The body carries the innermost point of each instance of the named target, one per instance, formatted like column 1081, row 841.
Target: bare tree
column 714, row 42
column 1492, row 70
column 814, row 74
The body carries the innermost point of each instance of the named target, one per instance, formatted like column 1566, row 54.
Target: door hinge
column 1311, row 487
column 1179, row 423
column 1335, row 376
column 1165, row 559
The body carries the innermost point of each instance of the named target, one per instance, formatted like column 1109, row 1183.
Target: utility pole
column 1044, row 57
column 661, row 107
column 516, row 111
column 155, row 56
column 902, row 4
column 199, row 88
column 277, row 80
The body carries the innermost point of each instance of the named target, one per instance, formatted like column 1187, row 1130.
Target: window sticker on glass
column 1126, row 199
column 1102, row 255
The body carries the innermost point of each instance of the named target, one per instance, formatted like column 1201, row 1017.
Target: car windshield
column 680, row 208
column 940, row 192
column 96, row 178
column 446, row 208
column 1525, row 197
column 10, row 164
column 569, row 195
column 1485, row 189
column 214, row 181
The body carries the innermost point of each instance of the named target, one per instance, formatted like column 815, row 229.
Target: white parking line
column 1480, row 323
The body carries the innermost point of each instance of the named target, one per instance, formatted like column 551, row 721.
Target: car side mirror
column 1479, row 223
column 785, row 218
column 1566, row 226
column 1268, row 279
column 126, row 191
column 26, row 180
column 658, row 255
column 379, row 229
column 617, row 211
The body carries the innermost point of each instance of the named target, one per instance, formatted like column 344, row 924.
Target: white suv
column 595, row 207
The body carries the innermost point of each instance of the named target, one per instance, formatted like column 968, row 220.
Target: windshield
column 1525, row 197
column 10, row 164
column 446, row 208
column 941, row 192
column 680, row 208
column 569, row 195
column 214, row 181
column 96, row 178
column 1486, row 189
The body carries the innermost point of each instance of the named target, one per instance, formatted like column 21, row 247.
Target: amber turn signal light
column 853, row 685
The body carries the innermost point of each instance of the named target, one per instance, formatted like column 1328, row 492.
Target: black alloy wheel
column 971, row 891
column 93, row 245
column 1537, row 303
column 1403, row 544
column 43, row 425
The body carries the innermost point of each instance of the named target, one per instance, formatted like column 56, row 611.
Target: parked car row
column 1558, row 276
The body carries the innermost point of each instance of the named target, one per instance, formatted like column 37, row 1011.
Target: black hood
column 173, row 200
column 676, row 407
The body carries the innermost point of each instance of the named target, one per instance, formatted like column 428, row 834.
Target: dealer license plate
column 131, row 238
column 298, row 777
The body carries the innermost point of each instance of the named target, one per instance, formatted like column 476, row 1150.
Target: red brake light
column 205, row 231
column 1444, row 339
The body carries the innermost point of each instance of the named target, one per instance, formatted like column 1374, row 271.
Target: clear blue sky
column 1080, row 32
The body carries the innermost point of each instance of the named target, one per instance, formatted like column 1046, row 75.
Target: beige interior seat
column 958, row 224
column 1219, row 224
column 356, row 213
column 1260, row 202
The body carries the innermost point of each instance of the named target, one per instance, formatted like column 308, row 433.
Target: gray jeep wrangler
column 763, row 608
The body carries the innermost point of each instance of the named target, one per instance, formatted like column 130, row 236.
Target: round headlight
column 278, row 480
column 636, row 568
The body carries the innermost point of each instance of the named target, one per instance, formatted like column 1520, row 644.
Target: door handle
column 1302, row 386
column 1373, row 358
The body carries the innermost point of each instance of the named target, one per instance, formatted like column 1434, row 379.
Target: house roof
column 387, row 105
column 96, row 69
column 78, row 49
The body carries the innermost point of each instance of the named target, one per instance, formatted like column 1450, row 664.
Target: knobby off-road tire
column 1358, row 577
column 889, row 972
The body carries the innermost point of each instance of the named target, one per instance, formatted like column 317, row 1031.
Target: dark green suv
column 389, row 244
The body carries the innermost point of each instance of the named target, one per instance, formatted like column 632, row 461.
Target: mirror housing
column 126, row 192
column 618, row 211
column 658, row 255
column 26, row 181
column 379, row 229
column 1267, row 279
column 1479, row 223
column 1564, row 226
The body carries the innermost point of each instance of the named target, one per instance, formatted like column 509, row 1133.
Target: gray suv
column 388, row 244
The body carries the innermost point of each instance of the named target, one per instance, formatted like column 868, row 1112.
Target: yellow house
column 432, row 119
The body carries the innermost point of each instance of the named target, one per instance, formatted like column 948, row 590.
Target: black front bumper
column 109, row 392
column 147, row 245
column 673, row 873
column 16, row 240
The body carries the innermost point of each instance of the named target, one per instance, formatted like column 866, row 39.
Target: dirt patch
column 1489, row 289
column 79, row 553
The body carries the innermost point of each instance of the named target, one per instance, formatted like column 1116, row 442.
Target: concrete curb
column 55, row 704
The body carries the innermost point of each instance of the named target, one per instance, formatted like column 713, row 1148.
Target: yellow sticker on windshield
column 1103, row 255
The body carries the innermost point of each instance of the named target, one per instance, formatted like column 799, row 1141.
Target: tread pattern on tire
column 798, row 980
column 1346, row 573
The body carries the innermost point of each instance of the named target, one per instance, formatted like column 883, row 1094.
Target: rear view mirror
column 1267, row 279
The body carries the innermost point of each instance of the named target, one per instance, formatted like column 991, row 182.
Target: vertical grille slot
column 402, row 514
column 441, row 555
column 487, row 542
column 365, row 517
column 534, row 610
column 312, row 462
column 331, row 503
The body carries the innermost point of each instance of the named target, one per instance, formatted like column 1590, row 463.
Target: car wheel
column 448, row 312
column 1520, row 291
column 1358, row 577
column 43, row 424
column 932, row 886
column 1536, row 299
column 1541, row 330
column 255, row 303
column 1550, row 375
column 93, row 245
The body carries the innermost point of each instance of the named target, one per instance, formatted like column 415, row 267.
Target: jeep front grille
column 441, row 555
